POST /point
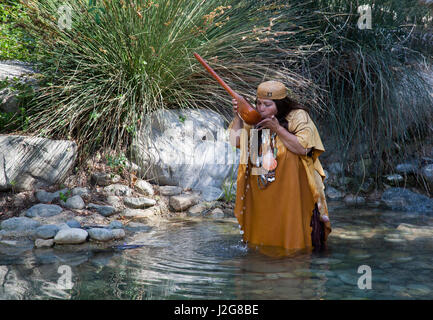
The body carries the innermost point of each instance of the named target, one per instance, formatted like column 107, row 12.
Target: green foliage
column 117, row 164
column 14, row 42
column 11, row 121
column 65, row 196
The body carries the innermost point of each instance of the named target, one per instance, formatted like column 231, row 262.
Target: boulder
column 28, row 163
column 405, row 200
column 192, row 153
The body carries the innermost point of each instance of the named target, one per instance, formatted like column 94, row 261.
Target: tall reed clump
column 121, row 60
column 378, row 101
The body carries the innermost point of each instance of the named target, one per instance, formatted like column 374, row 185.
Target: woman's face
column 266, row 107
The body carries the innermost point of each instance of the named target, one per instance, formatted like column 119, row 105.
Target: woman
column 280, row 201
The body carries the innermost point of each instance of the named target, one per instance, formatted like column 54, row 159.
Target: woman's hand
column 235, row 107
column 269, row 123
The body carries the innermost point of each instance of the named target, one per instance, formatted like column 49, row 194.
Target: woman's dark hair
column 284, row 107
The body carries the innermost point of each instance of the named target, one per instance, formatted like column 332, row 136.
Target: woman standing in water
column 280, row 201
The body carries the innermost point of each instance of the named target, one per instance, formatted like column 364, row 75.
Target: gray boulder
column 28, row 163
column 405, row 200
column 192, row 153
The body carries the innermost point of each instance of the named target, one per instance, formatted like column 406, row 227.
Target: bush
column 14, row 42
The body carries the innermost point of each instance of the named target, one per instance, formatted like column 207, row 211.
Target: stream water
column 205, row 259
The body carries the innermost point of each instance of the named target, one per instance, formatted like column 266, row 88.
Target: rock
column 104, row 179
column 216, row 213
column 394, row 179
column 333, row 194
column 144, row 187
column 44, row 243
column 406, row 168
column 8, row 101
column 106, row 211
column 75, row 202
column 78, row 191
column 194, row 153
column 115, row 225
column 200, row 208
column 22, row 225
column 30, row 162
column 48, row 197
column 118, row 233
column 47, row 231
column 405, row 200
column 416, row 231
column 19, row 199
column 70, row 236
column 72, row 223
column 427, row 174
column 118, row 190
column 353, row 200
column 63, row 226
column 138, row 203
column 114, row 201
column 138, row 213
column 101, row 234
column 182, row 202
column 43, row 210
column 336, row 168
column 170, row 190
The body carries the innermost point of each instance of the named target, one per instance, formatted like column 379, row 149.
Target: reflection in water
column 204, row 259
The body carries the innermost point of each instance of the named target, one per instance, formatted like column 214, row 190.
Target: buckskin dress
column 276, row 220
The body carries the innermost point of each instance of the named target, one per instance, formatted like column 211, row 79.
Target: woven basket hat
column 274, row 90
